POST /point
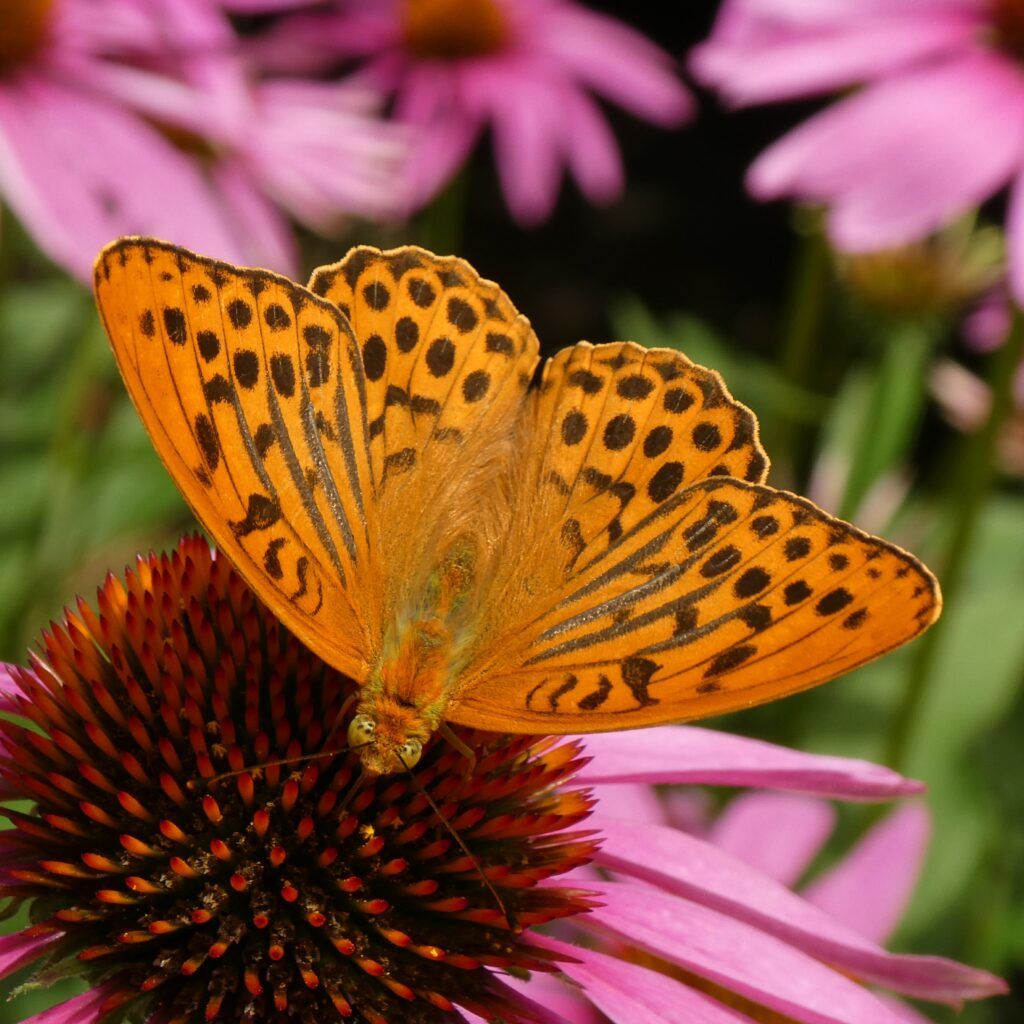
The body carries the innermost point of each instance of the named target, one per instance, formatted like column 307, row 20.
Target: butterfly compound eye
column 361, row 730
column 410, row 752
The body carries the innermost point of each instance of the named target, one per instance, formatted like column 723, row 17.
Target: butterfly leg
column 469, row 765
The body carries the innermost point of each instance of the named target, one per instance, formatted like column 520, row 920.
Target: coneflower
column 170, row 859
column 267, row 893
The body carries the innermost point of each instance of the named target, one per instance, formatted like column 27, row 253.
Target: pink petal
column 694, row 755
column 734, row 955
column 10, row 687
column 444, row 132
column 526, row 125
column 871, row 886
column 616, row 62
column 590, row 148
column 629, row 994
column 689, row 867
column 79, row 173
column 754, row 57
column 260, row 230
column 631, row 803
column 904, row 156
column 16, row 950
column 553, row 992
column 776, row 833
column 81, row 1009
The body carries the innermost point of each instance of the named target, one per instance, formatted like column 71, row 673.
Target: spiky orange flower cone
column 262, row 896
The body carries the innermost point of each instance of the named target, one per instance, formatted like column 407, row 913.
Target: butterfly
column 586, row 547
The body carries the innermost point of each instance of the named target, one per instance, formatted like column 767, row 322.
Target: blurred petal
column 776, row 833
column 80, row 173
column 902, row 157
column 590, row 148
column 871, row 886
column 734, row 955
column 616, row 62
column 757, row 54
column 689, row 867
column 526, row 125
column 629, row 994
column 692, row 755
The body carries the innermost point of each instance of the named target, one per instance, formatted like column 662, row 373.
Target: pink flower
column 937, row 128
column 119, row 117
column 526, row 69
column 227, row 895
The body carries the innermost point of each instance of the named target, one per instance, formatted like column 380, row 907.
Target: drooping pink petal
column 734, row 955
column 904, row 156
column 616, row 62
column 80, row 173
column 17, row 949
column 756, row 55
column 869, row 889
column 675, row 862
column 443, row 131
column 553, row 992
column 631, row 803
column 10, row 687
column 260, row 230
column 590, row 148
column 526, row 123
column 629, row 994
column 777, row 833
column 81, row 1009
column 694, row 755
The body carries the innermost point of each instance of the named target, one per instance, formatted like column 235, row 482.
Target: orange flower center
column 1008, row 21
column 24, row 27
column 450, row 29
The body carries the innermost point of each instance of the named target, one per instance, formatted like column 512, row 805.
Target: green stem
column 973, row 479
column 801, row 331
column 895, row 406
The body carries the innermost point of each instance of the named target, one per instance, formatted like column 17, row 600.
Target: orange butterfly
column 586, row 550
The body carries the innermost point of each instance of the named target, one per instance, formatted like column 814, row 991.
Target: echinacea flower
column 525, row 69
column 118, row 117
column 937, row 128
column 199, row 848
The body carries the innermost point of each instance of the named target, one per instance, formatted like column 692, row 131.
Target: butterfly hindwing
column 446, row 353
column 249, row 387
column 685, row 587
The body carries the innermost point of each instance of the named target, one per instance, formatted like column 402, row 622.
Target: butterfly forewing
column 249, row 387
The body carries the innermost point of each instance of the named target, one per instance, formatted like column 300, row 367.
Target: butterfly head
column 390, row 738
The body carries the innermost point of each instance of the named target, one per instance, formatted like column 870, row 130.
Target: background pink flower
column 938, row 128
column 525, row 69
column 119, row 117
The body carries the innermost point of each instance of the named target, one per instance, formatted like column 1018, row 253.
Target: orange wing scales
column 601, row 547
column 621, row 429
column 248, row 386
column 727, row 595
column 445, row 352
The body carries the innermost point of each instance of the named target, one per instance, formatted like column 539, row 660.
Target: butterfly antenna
column 338, row 718
column 506, row 913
